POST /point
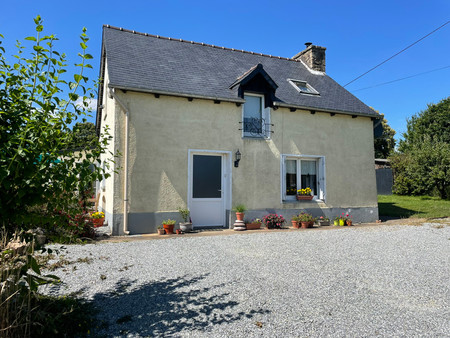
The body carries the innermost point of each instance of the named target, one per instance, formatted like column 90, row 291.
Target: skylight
column 303, row 87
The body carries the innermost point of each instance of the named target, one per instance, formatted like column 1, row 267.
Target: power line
column 403, row 78
column 397, row 53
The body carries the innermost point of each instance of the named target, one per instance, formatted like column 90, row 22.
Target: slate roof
column 154, row 64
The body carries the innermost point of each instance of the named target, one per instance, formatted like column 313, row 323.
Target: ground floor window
column 300, row 172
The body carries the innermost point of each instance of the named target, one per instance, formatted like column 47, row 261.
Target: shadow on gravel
column 166, row 307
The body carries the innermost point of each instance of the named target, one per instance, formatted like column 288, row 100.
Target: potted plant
column 295, row 222
column 254, row 224
column 98, row 218
column 341, row 220
column 240, row 211
column 186, row 225
column 336, row 220
column 306, row 220
column 323, row 220
column 160, row 230
column 273, row 221
column 348, row 220
column 304, row 194
column 168, row 226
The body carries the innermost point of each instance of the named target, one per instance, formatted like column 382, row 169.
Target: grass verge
column 413, row 206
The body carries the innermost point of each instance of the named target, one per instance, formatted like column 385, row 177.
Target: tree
column 40, row 176
column 83, row 136
column 385, row 144
column 422, row 164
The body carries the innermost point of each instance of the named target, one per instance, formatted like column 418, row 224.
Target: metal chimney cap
column 307, row 44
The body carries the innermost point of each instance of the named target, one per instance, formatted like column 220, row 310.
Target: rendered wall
column 163, row 129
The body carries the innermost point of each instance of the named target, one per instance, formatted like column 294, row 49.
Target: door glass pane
column 207, row 176
column 309, row 175
column 291, row 177
column 253, row 114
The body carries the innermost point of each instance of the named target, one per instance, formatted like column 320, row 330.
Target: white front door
column 207, row 178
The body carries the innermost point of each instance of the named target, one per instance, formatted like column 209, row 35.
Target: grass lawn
column 413, row 206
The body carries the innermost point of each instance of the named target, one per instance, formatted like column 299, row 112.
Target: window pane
column 309, row 175
column 253, row 114
column 291, row 177
column 207, row 176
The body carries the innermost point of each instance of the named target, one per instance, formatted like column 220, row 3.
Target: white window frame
column 265, row 114
column 311, row 90
column 321, row 181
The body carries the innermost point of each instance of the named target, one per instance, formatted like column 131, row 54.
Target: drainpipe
column 125, row 183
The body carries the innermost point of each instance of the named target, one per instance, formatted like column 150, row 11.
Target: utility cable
column 403, row 78
column 397, row 53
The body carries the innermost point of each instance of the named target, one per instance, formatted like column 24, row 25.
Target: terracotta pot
column 240, row 216
column 161, row 232
column 98, row 222
column 295, row 224
column 349, row 222
column 253, row 226
column 304, row 198
column 168, row 228
column 304, row 225
column 310, row 224
column 178, row 231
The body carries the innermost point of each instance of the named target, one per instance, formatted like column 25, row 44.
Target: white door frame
column 226, row 176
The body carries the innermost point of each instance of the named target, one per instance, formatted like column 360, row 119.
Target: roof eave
column 177, row 94
column 321, row 110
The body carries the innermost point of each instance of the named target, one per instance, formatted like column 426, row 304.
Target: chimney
column 313, row 56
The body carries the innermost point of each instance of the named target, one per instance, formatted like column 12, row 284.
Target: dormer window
column 303, row 87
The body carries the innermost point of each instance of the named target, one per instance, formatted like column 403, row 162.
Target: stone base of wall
column 359, row 215
column 147, row 223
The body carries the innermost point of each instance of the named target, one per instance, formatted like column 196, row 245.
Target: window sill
column 261, row 137
column 314, row 200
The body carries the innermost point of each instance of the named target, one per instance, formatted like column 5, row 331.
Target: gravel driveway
column 358, row 282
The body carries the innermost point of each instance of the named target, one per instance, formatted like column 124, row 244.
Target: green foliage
column 83, row 136
column 184, row 213
column 39, row 173
column 385, row 144
column 240, row 208
column 169, row 222
column 422, row 165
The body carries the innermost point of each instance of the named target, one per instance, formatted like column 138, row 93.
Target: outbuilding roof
column 154, row 64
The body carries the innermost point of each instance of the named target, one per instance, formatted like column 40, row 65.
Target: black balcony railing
column 255, row 127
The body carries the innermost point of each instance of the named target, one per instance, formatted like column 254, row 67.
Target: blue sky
column 357, row 34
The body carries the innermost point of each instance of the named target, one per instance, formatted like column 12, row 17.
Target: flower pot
column 341, row 222
column 323, row 223
column 336, row 222
column 98, row 222
column 160, row 231
column 310, row 224
column 349, row 222
column 168, row 228
column 178, row 231
column 304, row 197
column 295, row 224
column 186, row 227
column 240, row 216
column 304, row 225
column 253, row 226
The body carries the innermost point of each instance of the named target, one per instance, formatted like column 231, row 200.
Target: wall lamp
column 238, row 158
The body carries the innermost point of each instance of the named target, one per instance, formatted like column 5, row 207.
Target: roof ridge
column 198, row 43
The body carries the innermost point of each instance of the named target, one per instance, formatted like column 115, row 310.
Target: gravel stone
column 353, row 281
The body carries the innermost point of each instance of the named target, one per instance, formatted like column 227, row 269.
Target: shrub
column 273, row 221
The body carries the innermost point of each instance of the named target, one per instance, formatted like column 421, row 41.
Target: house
column 208, row 127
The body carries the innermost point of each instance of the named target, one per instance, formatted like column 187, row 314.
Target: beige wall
column 163, row 129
